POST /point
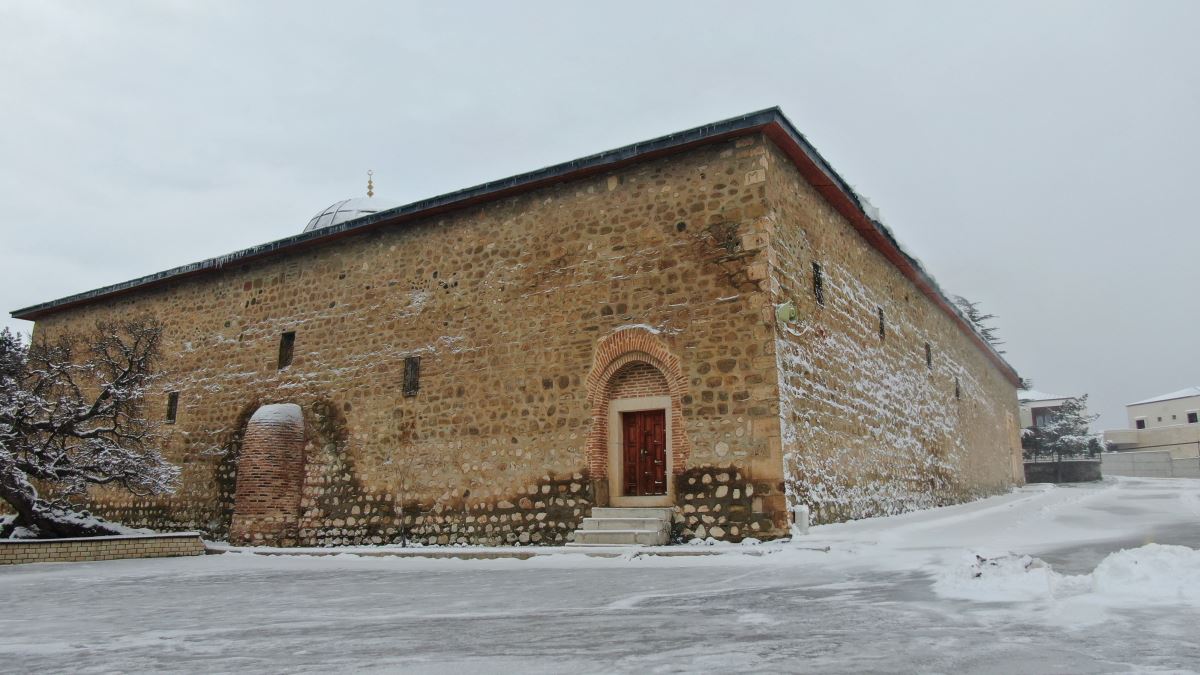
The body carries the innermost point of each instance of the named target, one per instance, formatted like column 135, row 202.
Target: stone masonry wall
column 869, row 428
column 720, row 502
column 505, row 304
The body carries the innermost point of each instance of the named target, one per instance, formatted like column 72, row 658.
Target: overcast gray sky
column 1041, row 158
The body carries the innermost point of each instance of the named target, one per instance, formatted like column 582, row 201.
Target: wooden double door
column 644, row 453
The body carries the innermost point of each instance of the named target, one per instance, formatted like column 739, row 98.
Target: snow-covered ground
column 1033, row 581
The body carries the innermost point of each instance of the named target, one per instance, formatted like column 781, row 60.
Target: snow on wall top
column 1182, row 393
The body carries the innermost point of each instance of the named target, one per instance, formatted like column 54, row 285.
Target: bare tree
column 71, row 418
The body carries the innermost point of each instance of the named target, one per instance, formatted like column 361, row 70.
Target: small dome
column 349, row 209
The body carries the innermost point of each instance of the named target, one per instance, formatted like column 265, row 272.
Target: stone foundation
column 722, row 503
column 544, row 512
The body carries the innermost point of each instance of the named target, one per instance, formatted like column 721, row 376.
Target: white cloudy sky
column 1040, row 157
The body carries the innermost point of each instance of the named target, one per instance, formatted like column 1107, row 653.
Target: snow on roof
column 1182, row 393
column 1034, row 395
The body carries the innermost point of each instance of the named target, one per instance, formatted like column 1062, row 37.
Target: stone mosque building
column 685, row 337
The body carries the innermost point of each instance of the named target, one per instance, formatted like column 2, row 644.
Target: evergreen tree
column 979, row 320
column 1064, row 434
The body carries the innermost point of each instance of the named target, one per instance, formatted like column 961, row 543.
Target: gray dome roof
column 349, row 209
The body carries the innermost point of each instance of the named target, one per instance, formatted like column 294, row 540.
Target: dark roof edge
column 827, row 180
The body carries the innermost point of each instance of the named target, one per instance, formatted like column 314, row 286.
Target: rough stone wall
column 868, row 427
column 505, row 303
column 720, row 502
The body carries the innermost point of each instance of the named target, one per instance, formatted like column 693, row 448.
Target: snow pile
column 999, row 579
column 83, row 518
column 1149, row 575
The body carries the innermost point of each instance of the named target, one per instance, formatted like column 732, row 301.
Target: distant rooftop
column 1182, row 393
column 1024, row 395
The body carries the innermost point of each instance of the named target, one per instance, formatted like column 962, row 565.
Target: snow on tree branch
column 71, row 417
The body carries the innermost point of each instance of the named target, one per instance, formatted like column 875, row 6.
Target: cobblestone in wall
column 722, row 503
column 545, row 512
column 18, row 551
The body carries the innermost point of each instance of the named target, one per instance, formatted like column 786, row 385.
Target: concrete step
column 662, row 513
column 621, row 537
column 624, row 524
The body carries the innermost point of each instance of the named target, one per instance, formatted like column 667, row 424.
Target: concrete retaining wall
column 17, row 551
column 1073, row 471
column 1150, row 464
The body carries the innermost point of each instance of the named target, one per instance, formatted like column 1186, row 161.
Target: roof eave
column 770, row 121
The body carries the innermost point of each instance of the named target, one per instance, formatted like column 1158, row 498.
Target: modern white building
column 1169, row 410
column 1164, row 432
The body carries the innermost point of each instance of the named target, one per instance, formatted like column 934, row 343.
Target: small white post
column 799, row 520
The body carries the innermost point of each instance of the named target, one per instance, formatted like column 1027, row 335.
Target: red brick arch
column 270, row 476
column 614, row 352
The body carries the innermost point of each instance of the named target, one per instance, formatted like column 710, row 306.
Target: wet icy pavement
column 868, row 606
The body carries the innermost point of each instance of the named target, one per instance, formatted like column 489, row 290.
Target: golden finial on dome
column 370, row 183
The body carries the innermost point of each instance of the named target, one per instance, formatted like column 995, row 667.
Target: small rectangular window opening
column 172, row 406
column 928, row 356
column 1140, row 424
column 957, row 390
column 1193, row 417
column 882, row 325
column 818, row 283
column 412, row 375
column 287, row 347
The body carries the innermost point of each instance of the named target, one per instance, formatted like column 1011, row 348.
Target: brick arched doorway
column 637, row 442
column 270, row 476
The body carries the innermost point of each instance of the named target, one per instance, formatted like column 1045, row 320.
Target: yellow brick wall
column 16, row 551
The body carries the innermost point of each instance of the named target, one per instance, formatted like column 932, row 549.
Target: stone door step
column 661, row 513
column 623, row 523
column 621, row 537
column 626, row 526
